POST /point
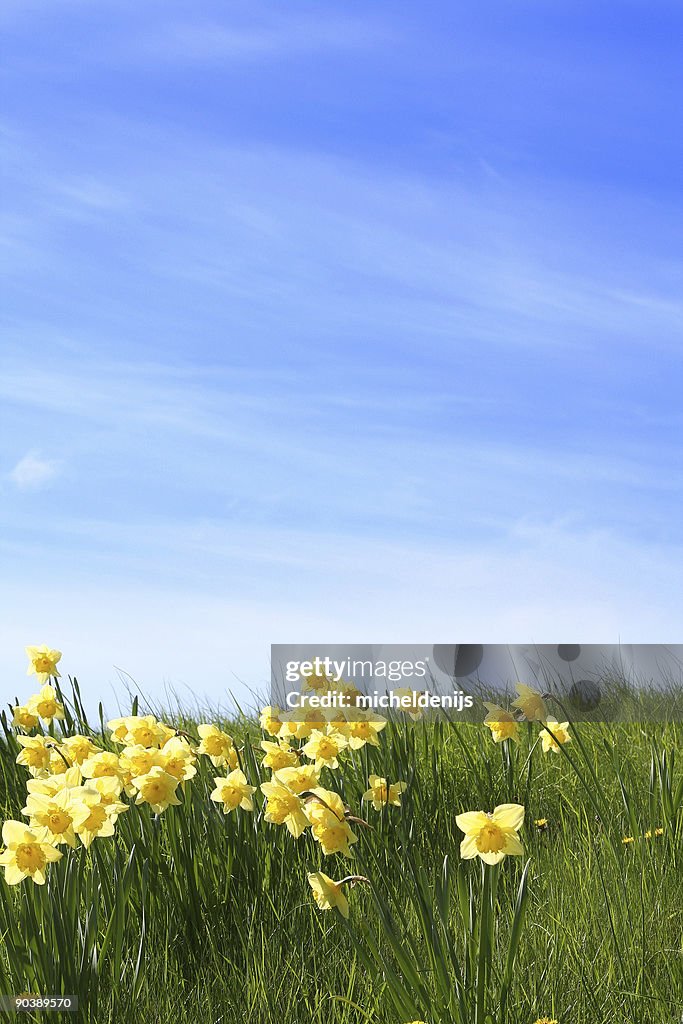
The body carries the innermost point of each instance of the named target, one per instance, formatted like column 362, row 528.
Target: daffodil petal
column 509, row 816
column 468, row 848
column 471, row 821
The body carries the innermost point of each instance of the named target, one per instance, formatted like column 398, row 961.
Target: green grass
column 197, row 917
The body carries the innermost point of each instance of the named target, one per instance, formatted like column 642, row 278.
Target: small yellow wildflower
column 627, row 840
column 491, row 836
column 546, row 1020
column 541, row 824
column 42, row 662
column 530, row 703
column 45, row 704
column 503, row 724
column 560, row 735
column 233, row 792
column 382, row 794
column 22, row 718
column 25, row 856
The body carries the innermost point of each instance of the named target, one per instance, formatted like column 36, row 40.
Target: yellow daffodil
column 103, row 763
column 78, row 748
column 503, row 724
column 217, row 746
column 317, row 682
column 323, row 748
column 363, row 728
column 139, row 760
column 298, row 779
column 146, row 731
column 560, row 734
column 278, row 755
column 328, row 894
column 25, row 856
column 323, row 804
column 530, row 703
column 53, row 818
column 118, row 728
column 381, row 793
column 178, row 758
column 108, row 787
column 335, row 837
column 22, row 718
column 100, row 798
column 310, row 720
column 409, row 699
column 270, row 720
column 35, row 754
column 59, row 762
column 350, row 692
column 156, row 788
column 50, row 784
column 42, row 662
column 491, row 836
column 290, row 725
column 284, row 808
column 45, row 704
column 329, row 825
column 233, row 791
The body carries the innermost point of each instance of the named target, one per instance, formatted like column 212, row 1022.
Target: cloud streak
column 34, row 473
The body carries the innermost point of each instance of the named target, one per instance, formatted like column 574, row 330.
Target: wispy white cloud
column 199, row 41
column 33, row 472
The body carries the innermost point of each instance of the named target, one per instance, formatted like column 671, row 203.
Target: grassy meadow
column 199, row 914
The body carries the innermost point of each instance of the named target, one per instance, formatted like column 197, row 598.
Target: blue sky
column 336, row 322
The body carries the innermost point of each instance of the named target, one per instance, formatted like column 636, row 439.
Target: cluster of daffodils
column 302, row 747
column 529, row 706
column 78, row 788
